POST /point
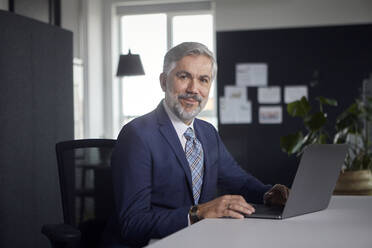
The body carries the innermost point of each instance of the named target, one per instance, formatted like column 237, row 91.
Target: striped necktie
column 195, row 157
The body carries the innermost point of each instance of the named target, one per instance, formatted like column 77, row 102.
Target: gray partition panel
column 36, row 111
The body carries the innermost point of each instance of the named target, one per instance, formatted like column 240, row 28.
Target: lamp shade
column 129, row 65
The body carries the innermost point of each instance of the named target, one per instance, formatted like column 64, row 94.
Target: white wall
column 257, row 14
column 4, row 4
column 111, row 89
column 35, row 9
column 72, row 19
column 93, row 66
column 84, row 19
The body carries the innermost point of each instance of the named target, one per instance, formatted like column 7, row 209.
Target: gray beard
column 178, row 109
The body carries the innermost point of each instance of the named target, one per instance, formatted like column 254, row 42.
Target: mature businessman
column 167, row 164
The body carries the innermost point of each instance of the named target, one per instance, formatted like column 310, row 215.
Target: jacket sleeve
column 139, row 221
column 234, row 180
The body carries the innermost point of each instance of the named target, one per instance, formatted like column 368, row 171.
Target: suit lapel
column 169, row 133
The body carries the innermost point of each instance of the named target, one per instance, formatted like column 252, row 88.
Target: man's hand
column 225, row 206
column 277, row 195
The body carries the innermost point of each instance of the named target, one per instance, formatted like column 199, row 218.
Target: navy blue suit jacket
column 152, row 178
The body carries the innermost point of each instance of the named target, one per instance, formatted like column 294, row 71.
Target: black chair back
column 86, row 186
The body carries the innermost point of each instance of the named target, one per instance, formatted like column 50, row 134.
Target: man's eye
column 204, row 80
column 182, row 76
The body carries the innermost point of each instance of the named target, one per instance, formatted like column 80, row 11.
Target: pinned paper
column 270, row 115
column 294, row 93
column 235, row 111
column 269, row 94
column 226, row 115
column 251, row 74
column 245, row 112
column 236, row 92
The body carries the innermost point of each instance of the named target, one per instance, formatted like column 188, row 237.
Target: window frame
column 211, row 114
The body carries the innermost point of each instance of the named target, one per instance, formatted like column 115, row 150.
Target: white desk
column 346, row 223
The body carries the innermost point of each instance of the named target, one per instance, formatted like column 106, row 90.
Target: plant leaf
column 322, row 139
column 340, row 136
column 327, row 101
column 299, row 108
column 291, row 143
column 316, row 121
column 353, row 109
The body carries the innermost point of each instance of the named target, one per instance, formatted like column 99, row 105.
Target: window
column 78, row 98
column 150, row 36
column 140, row 94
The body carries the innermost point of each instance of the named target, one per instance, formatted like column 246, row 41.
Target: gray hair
column 176, row 53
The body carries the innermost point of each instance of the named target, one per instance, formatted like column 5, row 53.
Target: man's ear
column 163, row 81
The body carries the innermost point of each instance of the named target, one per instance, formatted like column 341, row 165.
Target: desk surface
column 347, row 222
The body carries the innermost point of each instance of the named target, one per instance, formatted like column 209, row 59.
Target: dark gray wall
column 336, row 58
column 36, row 111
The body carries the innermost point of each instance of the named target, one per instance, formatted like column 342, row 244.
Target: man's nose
column 192, row 86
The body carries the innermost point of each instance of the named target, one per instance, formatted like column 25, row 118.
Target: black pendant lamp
column 130, row 65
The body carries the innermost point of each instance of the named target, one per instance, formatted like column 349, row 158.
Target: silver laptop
column 313, row 185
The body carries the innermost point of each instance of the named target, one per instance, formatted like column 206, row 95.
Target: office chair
column 86, row 191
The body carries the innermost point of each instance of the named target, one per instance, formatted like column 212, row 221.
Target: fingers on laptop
column 277, row 195
column 236, row 206
column 283, row 190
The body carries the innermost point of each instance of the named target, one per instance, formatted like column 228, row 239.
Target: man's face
column 187, row 86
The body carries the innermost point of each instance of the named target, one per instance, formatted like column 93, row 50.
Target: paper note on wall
column 269, row 94
column 294, row 93
column 226, row 115
column 245, row 112
column 236, row 92
column 251, row 74
column 235, row 111
column 270, row 115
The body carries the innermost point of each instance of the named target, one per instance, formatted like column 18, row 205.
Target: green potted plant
column 352, row 128
column 314, row 122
